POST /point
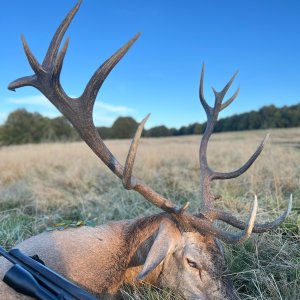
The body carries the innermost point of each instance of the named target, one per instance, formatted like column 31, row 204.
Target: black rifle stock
column 32, row 278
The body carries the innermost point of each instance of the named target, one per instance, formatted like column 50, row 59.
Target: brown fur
column 96, row 258
column 103, row 258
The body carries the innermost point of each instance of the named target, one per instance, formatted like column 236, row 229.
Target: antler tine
column 205, row 226
column 49, row 61
column 131, row 182
column 219, row 96
column 228, row 85
column 31, row 59
column 258, row 228
column 245, row 167
column 245, row 234
column 27, row 80
column 206, row 107
column 59, row 61
column 58, row 36
column 90, row 93
column 20, row 82
column 231, row 99
column 127, row 173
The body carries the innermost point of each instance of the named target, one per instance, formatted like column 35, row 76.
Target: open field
column 42, row 185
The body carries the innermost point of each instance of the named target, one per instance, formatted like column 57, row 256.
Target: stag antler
column 79, row 111
column 207, row 175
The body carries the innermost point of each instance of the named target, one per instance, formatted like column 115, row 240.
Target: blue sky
column 160, row 73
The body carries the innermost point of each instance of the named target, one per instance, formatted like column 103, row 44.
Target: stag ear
column 167, row 238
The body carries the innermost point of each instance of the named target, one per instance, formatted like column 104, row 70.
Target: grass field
column 42, row 185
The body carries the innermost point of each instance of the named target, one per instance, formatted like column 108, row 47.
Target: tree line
column 23, row 127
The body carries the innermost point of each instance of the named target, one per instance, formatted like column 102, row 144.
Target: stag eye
column 191, row 264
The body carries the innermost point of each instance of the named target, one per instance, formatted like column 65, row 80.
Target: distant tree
column 243, row 122
column 62, row 130
column 183, row 130
column 198, row 128
column 266, row 117
column 105, row 132
column 123, row 128
column 158, row 131
column 269, row 116
column 173, row 131
column 254, row 120
column 290, row 116
column 23, row 127
column 194, row 128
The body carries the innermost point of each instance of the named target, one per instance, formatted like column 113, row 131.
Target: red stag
column 173, row 249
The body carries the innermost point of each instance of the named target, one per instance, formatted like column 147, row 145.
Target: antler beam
column 207, row 175
column 257, row 228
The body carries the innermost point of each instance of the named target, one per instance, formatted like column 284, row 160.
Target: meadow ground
column 42, row 185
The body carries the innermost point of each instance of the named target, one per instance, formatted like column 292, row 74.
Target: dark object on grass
column 30, row 277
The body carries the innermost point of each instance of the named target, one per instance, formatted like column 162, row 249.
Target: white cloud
column 104, row 113
column 113, row 108
column 38, row 100
column 103, row 120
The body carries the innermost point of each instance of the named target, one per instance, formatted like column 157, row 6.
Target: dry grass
column 41, row 185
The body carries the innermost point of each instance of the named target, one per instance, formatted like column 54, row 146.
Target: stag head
column 190, row 263
column 186, row 247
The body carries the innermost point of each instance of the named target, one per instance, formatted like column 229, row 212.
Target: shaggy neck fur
column 139, row 237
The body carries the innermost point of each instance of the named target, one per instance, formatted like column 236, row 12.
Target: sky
column 160, row 73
